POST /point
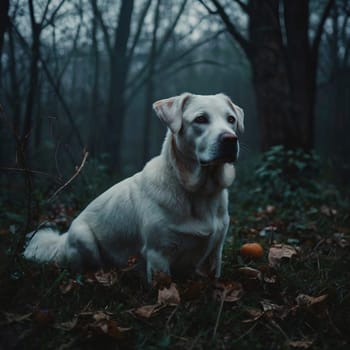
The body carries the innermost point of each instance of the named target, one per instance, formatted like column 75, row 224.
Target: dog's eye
column 231, row 119
column 202, row 119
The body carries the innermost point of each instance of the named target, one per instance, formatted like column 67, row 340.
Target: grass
column 304, row 302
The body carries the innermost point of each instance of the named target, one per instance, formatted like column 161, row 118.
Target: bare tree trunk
column 92, row 139
column 118, row 67
column 302, row 71
column 269, row 74
column 33, row 76
column 14, row 84
column 150, row 88
column 4, row 25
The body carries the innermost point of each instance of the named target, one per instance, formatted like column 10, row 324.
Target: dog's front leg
column 211, row 261
column 155, row 262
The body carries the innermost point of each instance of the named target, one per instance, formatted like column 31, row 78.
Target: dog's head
column 204, row 126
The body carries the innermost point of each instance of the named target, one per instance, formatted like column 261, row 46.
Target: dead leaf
column 69, row 286
column 229, row 291
column 307, row 300
column 107, row 279
column 161, row 280
column 267, row 305
column 249, row 272
column 169, row 296
column 341, row 240
column 108, row 327
column 270, row 209
column 101, row 316
column 147, row 311
column 325, row 210
column 304, row 344
column 270, row 279
column 278, row 252
column 94, row 322
column 255, row 314
column 272, row 310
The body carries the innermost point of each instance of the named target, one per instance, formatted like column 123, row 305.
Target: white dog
column 173, row 214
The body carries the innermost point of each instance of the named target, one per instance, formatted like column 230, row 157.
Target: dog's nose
column 228, row 138
column 228, row 149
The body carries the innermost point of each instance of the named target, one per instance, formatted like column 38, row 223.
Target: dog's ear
column 170, row 111
column 238, row 112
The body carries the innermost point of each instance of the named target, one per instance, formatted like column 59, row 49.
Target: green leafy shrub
column 288, row 175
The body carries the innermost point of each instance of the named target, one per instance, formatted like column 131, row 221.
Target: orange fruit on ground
column 252, row 250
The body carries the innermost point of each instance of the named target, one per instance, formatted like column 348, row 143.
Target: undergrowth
column 300, row 300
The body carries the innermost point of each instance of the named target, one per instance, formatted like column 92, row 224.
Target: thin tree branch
column 45, row 12
column 136, row 84
column 56, row 89
column 78, row 170
column 139, row 29
column 317, row 39
column 210, row 11
column 34, row 172
column 171, row 29
column 106, row 36
column 53, row 15
column 232, row 29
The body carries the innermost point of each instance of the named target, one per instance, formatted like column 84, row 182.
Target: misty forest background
column 77, row 83
column 82, row 75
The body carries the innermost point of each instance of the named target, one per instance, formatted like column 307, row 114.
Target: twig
column 72, row 178
column 245, row 333
column 34, row 172
column 171, row 316
column 219, row 313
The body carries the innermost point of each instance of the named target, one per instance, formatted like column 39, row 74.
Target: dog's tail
column 45, row 245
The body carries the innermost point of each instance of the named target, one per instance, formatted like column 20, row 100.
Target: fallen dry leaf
column 278, row 252
column 307, row 300
column 68, row 286
column 94, row 322
column 254, row 314
column 272, row 310
column 270, row 209
column 229, row 291
column 147, row 311
column 108, row 327
column 107, row 279
column 341, row 240
column 169, row 296
column 304, row 344
column 161, row 280
column 249, row 272
column 325, row 210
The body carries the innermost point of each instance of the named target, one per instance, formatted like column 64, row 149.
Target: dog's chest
column 211, row 212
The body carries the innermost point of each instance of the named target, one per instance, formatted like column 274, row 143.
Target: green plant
column 288, row 175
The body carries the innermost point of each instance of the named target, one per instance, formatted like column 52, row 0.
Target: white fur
column 173, row 214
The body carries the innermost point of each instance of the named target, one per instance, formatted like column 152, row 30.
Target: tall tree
column 37, row 26
column 4, row 24
column 118, row 63
column 284, row 61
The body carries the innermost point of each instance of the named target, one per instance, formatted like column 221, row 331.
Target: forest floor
column 296, row 296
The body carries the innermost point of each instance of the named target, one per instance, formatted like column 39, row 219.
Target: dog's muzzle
column 228, row 147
